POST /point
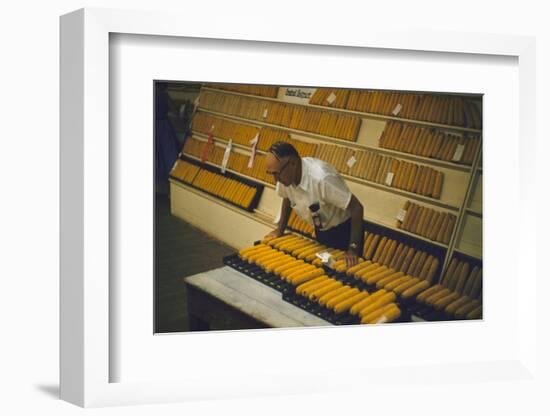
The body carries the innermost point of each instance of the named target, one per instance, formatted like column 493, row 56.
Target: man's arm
column 356, row 212
column 285, row 214
column 356, row 234
column 283, row 220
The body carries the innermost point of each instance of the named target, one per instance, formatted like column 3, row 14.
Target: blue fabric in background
column 166, row 141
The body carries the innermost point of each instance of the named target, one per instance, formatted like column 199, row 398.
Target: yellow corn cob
column 258, row 254
column 311, row 250
column 355, row 309
column 311, row 245
column 465, row 309
column 381, row 279
column 341, row 297
column 406, row 285
column 428, row 292
column 346, row 304
column 248, row 249
column 453, row 306
column 392, row 284
column 387, row 313
column 381, row 301
column 332, row 294
column 282, row 238
column 283, row 268
column 306, row 276
column 311, row 282
column 297, row 268
column 315, row 295
column 354, row 269
column 266, row 257
column 446, row 300
column 299, row 244
column 287, row 243
column 437, row 295
column 246, row 256
column 369, row 271
column 310, row 289
column 335, row 299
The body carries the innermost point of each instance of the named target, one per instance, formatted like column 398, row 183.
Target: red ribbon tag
column 207, row 145
column 254, row 143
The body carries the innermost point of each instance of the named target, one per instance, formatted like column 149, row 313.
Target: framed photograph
column 156, row 116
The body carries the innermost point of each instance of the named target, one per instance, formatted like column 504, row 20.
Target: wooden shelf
column 253, row 215
column 204, row 137
column 346, row 143
column 400, row 192
column 355, row 179
column 232, row 171
column 352, row 112
column 267, row 219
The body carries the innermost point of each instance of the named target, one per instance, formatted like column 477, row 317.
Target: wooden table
column 223, row 299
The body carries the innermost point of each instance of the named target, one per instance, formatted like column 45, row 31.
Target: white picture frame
column 85, row 355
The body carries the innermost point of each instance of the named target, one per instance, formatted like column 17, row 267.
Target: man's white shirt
column 321, row 184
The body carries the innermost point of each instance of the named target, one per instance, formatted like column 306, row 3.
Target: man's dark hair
column 283, row 149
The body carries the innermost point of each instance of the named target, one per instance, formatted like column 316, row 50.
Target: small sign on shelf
column 389, row 179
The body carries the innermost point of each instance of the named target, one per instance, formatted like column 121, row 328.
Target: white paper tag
column 331, row 98
column 226, row 155
column 254, row 143
column 389, row 178
column 397, row 109
column 351, row 161
column 212, row 128
column 324, row 256
column 265, row 113
column 401, row 215
column 458, row 153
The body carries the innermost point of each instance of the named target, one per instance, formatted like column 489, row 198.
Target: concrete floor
column 180, row 250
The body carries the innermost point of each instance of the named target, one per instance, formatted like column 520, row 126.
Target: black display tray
column 289, row 294
column 255, row 272
column 257, row 195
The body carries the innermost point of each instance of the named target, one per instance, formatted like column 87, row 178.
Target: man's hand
column 273, row 234
column 351, row 258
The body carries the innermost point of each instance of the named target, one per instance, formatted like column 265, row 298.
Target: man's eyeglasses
column 278, row 174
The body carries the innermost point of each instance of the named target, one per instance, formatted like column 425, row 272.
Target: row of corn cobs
column 459, row 294
column 238, row 162
column 427, row 222
column 374, row 167
column 292, row 116
column 298, row 224
column 262, row 91
column 388, row 254
column 397, row 256
column 184, row 171
column 213, row 183
column 442, row 109
column 243, row 134
column 427, row 142
column 286, row 258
